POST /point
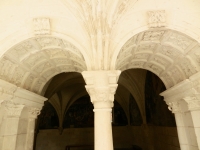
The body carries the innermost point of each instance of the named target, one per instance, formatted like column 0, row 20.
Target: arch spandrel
column 31, row 63
column 169, row 54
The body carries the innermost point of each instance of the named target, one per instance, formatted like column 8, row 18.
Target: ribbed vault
column 31, row 63
column 171, row 55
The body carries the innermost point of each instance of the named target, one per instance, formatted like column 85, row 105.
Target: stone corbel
column 33, row 112
column 174, row 107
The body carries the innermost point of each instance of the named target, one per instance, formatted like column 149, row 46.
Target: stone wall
column 166, row 138
column 52, row 140
column 146, row 137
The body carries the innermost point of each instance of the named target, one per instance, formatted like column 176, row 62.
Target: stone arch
column 171, row 55
column 23, row 34
column 33, row 62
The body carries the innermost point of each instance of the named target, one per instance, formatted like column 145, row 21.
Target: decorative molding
column 156, row 18
column 153, row 35
column 41, row 26
column 13, row 109
column 193, row 103
column 174, row 107
column 34, row 112
column 179, row 40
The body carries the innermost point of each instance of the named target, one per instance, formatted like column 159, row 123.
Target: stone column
column 101, row 86
column 32, row 115
column 181, row 128
column 9, row 126
column 194, row 108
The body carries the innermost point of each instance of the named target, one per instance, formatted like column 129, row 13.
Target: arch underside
column 171, row 55
column 31, row 63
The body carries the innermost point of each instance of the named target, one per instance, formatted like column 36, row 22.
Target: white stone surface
column 40, row 39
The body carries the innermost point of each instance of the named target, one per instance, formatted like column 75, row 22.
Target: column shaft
column 196, row 121
column 103, row 129
column 181, row 127
column 182, row 131
column 33, row 113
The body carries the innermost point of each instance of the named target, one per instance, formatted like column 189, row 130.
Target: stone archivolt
column 169, row 54
column 33, row 62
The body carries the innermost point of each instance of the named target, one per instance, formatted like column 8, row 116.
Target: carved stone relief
column 156, row 18
column 174, row 107
column 50, row 42
column 163, row 48
column 187, row 67
column 34, row 112
column 153, row 35
column 146, row 47
column 41, row 26
column 179, row 40
column 170, row 52
column 136, row 65
column 32, row 58
column 160, row 60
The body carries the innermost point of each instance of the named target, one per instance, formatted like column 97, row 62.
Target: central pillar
column 101, row 86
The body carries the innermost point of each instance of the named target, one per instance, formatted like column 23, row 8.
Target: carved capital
column 193, row 103
column 13, row 110
column 103, row 94
column 101, row 86
column 156, row 18
column 174, row 107
column 41, row 26
column 34, row 112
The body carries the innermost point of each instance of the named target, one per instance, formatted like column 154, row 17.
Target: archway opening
column 62, row 121
column 70, row 102
column 149, row 120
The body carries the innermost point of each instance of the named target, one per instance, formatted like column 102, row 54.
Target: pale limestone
column 161, row 36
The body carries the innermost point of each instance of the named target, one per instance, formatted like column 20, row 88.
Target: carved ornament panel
column 41, row 26
column 156, row 18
